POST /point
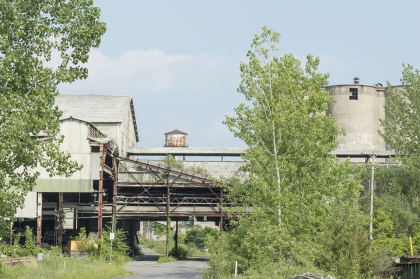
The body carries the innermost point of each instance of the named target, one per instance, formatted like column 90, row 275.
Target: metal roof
column 96, row 108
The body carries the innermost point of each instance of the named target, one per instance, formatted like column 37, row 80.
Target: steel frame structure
column 166, row 193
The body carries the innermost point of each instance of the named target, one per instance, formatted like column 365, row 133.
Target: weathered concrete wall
column 75, row 142
column 359, row 118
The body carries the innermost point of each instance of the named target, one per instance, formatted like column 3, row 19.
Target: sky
column 179, row 60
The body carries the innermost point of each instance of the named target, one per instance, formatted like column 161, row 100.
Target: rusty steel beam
column 114, row 191
column 172, row 185
column 163, row 214
column 170, row 171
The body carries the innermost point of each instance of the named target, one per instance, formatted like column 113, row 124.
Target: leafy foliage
column 42, row 44
column 198, row 236
column 30, row 244
column 294, row 184
column 119, row 246
column 179, row 253
column 396, row 210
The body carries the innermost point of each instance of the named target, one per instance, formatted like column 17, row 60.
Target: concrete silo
column 357, row 110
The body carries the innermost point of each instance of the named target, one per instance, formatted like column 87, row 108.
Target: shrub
column 180, row 253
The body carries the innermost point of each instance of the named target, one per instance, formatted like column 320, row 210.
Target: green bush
column 198, row 235
column 180, row 253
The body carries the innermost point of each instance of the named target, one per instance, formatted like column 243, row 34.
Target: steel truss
column 148, row 190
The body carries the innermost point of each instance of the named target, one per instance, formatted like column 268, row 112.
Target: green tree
column 291, row 171
column 198, row 235
column 293, row 180
column 42, row 43
column 401, row 128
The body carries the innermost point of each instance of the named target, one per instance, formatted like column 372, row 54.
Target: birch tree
column 290, row 138
column 295, row 186
column 42, row 44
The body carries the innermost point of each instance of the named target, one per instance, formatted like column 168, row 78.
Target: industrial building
column 96, row 130
column 101, row 132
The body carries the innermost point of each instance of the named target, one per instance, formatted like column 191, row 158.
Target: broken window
column 353, row 93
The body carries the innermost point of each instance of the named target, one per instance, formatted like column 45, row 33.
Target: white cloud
column 152, row 71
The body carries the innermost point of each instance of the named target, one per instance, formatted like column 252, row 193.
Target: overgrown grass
column 158, row 247
column 164, row 259
column 64, row 268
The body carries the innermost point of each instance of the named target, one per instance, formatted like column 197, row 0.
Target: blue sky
column 180, row 59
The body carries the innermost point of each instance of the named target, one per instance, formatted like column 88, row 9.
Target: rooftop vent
column 356, row 80
column 176, row 138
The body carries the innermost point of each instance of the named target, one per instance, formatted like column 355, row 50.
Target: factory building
column 98, row 129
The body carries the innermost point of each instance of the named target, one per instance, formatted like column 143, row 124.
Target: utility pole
column 372, row 188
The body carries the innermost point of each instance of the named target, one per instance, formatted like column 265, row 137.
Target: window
column 353, row 93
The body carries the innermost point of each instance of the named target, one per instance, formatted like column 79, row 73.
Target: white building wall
column 75, row 142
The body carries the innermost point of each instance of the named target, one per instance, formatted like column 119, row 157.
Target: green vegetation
column 31, row 34
column 64, row 268
column 198, row 236
column 94, row 264
column 309, row 210
column 165, row 259
column 190, row 243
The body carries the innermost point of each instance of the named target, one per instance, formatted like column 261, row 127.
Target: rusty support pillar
column 114, row 195
column 168, row 222
column 60, row 220
column 39, row 221
column 100, row 190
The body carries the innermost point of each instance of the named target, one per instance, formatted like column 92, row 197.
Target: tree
column 294, row 183
column 197, row 235
column 42, row 43
column 289, row 136
column 401, row 128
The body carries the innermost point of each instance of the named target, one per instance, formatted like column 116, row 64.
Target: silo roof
column 96, row 108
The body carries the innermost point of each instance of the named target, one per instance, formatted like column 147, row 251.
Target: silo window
column 353, row 93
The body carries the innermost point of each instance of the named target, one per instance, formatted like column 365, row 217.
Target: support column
column 100, row 190
column 114, row 194
column 39, row 221
column 176, row 236
column 221, row 211
column 168, row 222
column 60, row 220
column 372, row 188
